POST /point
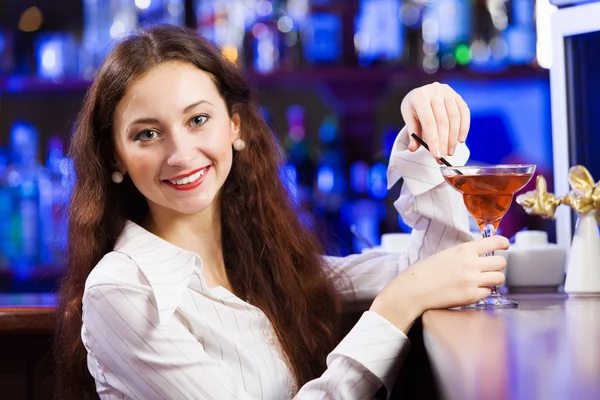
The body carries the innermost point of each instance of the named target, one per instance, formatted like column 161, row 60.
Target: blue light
column 51, row 62
column 142, row 4
column 369, row 228
column 264, row 8
column 295, row 114
column 379, row 33
column 389, row 139
column 49, row 56
column 377, row 181
column 365, row 214
column 359, row 172
column 404, row 227
column 264, row 112
column 325, row 179
column 322, row 35
column 295, row 118
column 289, row 177
column 117, row 28
column 14, row 179
column 56, row 55
column 14, row 84
column 452, row 19
column 521, row 44
column 292, row 174
column 328, row 130
column 23, row 141
column 267, row 53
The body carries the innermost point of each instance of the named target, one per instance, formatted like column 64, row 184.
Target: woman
column 190, row 275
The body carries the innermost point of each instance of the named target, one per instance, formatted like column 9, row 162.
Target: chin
column 192, row 208
column 187, row 204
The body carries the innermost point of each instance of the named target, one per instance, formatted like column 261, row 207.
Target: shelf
column 378, row 74
column 34, row 84
column 300, row 76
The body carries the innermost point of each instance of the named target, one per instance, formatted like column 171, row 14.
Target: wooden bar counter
column 26, row 328
column 547, row 349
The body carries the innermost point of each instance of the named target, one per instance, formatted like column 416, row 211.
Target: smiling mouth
column 188, row 182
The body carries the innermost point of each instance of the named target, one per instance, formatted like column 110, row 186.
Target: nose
column 181, row 152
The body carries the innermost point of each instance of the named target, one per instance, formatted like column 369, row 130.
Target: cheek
column 140, row 167
column 223, row 160
column 227, row 154
column 221, row 147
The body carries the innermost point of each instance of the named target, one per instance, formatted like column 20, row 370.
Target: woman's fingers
column 412, row 125
column 488, row 245
column 492, row 263
column 454, row 120
column 429, row 126
column 442, row 124
column 438, row 115
column 465, row 119
column 492, row 278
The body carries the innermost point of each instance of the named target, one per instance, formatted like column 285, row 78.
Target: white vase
column 583, row 270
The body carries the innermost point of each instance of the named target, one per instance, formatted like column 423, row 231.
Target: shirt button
column 268, row 335
column 270, row 339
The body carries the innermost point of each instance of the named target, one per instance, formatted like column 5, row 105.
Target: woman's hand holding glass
column 450, row 278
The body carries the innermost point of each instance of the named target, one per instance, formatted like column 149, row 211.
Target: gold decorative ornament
column 583, row 197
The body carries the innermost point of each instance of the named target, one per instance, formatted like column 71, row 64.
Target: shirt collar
column 167, row 267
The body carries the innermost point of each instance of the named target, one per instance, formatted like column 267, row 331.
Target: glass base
column 492, row 301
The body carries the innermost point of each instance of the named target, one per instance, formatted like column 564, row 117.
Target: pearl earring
column 239, row 144
column 117, row 177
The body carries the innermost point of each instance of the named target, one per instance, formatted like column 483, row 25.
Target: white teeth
column 189, row 179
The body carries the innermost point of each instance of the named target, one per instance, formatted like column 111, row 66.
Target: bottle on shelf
column 160, row 12
column 62, row 177
column 379, row 33
column 7, row 52
column 297, row 147
column 26, row 198
column 331, row 183
column 103, row 23
column 322, row 35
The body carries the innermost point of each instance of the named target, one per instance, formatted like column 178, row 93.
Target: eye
column 198, row 120
column 146, row 135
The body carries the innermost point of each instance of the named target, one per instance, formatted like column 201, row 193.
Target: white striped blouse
column 153, row 329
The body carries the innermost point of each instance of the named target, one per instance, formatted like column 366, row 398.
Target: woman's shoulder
column 119, row 282
column 115, row 291
column 115, row 269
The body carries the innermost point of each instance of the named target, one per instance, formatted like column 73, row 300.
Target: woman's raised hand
column 438, row 115
column 453, row 277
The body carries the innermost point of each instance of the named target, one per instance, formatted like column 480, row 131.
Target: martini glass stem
column 488, row 230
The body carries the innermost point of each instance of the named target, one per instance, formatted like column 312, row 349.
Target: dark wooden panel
column 26, row 320
column 25, row 367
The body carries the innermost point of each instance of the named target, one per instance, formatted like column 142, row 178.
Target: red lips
column 191, row 185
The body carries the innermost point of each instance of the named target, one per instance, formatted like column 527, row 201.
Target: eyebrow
column 148, row 120
column 194, row 105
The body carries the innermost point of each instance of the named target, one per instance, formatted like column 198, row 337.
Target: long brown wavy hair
column 272, row 259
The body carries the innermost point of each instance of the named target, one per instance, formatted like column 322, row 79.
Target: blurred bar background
column 330, row 76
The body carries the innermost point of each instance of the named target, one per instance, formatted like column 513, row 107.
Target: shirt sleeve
column 427, row 203
column 361, row 277
column 369, row 356
column 131, row 357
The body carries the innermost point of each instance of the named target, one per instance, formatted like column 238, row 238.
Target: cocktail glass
column 488, row 193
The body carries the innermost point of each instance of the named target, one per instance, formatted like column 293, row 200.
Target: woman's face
column 173, row 136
